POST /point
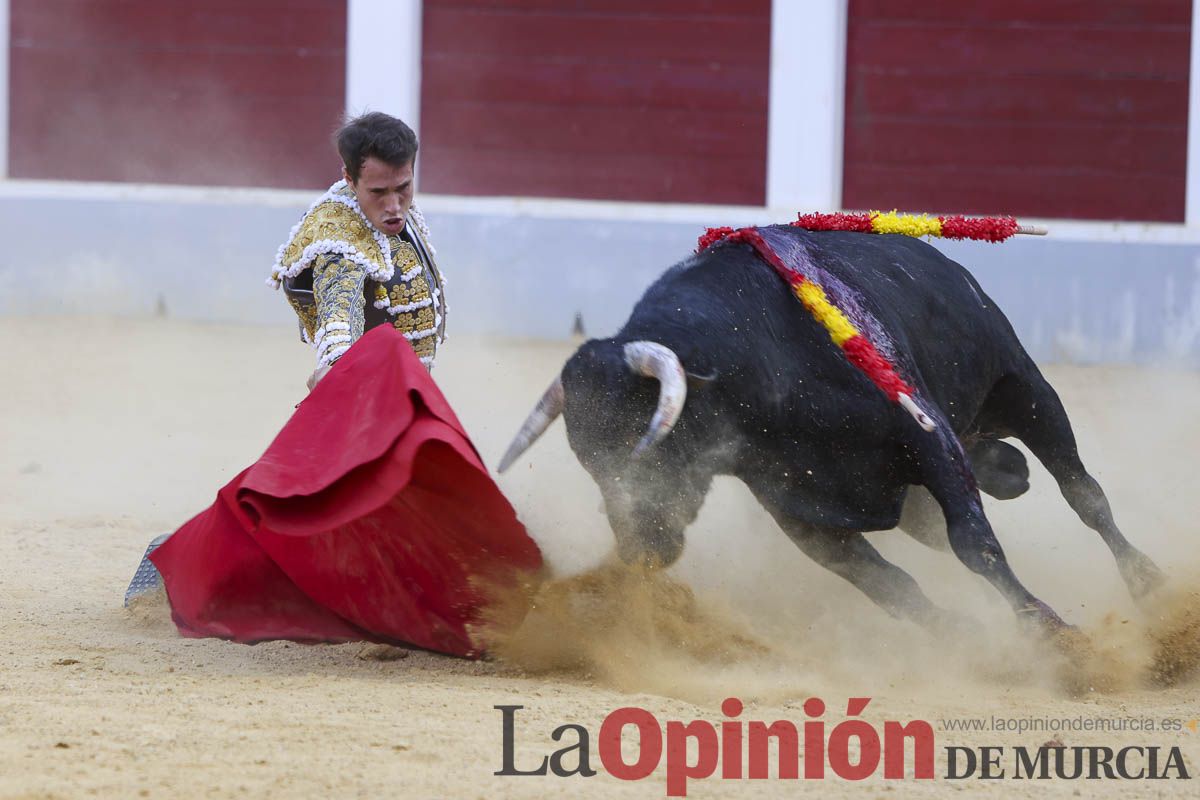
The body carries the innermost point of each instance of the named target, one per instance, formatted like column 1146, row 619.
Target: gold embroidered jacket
column 343, row 277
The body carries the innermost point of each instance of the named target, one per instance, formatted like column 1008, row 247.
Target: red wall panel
column 218, row 92
column 657, row 100
column 1066, row 108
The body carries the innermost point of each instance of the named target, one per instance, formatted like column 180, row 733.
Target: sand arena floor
column 114, row 431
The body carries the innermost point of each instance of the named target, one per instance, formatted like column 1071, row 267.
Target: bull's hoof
column 1141, row 575
column 1041, row 619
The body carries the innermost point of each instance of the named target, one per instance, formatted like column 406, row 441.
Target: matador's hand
column 319, row 373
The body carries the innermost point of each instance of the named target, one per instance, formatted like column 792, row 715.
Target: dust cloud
column 743, row 607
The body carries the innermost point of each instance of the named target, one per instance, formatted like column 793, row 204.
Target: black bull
column 777, row 404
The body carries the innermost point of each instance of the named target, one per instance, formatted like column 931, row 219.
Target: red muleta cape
column 371, row 516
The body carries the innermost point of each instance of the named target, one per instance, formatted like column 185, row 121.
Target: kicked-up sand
column 114, row 431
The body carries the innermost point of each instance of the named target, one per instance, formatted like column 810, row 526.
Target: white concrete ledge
column 554, row 208
column 154, row 192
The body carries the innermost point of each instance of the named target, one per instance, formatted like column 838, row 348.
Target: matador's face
column 384, row 193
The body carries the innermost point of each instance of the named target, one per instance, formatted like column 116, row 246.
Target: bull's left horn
column 546, row 411
column 658, row 361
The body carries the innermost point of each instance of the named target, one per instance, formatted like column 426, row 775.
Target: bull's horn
column 658, row 361
column 545, row 412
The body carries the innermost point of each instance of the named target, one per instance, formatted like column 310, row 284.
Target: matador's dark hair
column 375, row 134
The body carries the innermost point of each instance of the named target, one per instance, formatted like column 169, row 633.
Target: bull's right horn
column 659, row 361
column 546, row 411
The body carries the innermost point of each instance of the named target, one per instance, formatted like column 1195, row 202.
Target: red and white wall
column 1070, row 109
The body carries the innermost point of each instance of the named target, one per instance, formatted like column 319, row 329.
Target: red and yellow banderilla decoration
column 857, row 347
column 853, row 343
column 954, row 226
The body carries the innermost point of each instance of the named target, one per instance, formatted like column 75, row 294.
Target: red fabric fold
column 370, row 516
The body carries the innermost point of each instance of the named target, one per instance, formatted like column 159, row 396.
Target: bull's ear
column 697, row 381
